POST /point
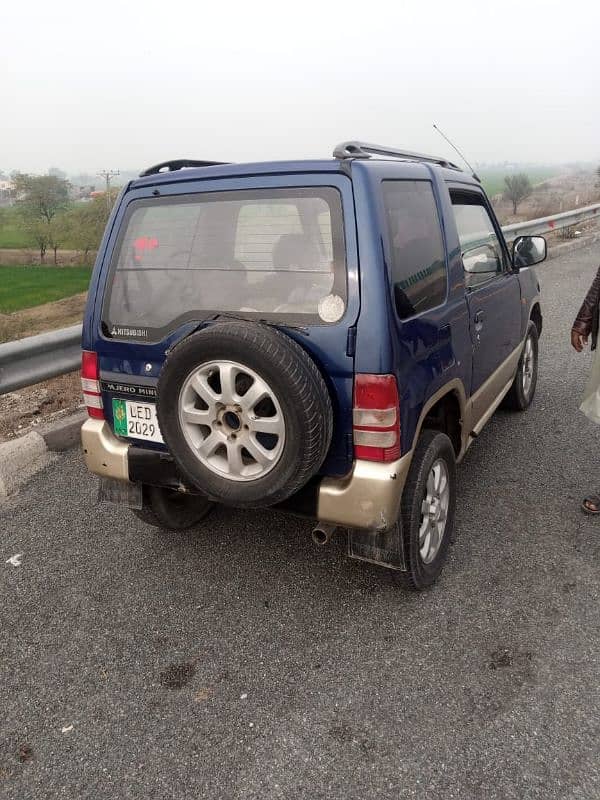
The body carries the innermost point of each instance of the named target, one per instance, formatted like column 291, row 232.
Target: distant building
column 81, row 192
column 7, row 192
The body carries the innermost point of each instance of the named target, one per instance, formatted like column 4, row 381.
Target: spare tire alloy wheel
column 245, row 413
column 232, row 419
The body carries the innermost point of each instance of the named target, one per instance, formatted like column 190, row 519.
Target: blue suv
column 327, row 337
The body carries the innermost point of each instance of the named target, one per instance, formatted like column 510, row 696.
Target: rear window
column 274, row 254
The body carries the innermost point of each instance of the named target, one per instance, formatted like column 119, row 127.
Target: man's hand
column 578, row 340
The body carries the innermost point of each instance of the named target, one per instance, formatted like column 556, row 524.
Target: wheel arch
column 535, row 315
column 446, row 411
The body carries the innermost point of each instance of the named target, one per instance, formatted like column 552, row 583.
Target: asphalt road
column 239, row 661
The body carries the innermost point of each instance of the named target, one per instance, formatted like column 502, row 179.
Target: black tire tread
column 513, row 400
column 414, row 579
column 151, row 514
column 302, row 378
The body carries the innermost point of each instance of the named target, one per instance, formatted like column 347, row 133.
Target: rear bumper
column 368, row 497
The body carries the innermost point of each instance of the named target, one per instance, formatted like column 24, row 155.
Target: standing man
column 586, row 324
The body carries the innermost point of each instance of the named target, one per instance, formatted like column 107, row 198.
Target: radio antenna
column 443, row 135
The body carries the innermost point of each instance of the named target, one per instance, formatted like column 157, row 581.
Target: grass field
column 493, row 179
column 25, row 287
column 12, row 236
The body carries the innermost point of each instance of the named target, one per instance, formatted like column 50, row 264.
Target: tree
column 81, row 231
column 59, row 230
column 86, row 223
column 517, row 188
column 56, row 172
column 39, row 233
column 40, row 198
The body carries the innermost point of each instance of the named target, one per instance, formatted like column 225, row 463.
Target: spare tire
column 245, row 413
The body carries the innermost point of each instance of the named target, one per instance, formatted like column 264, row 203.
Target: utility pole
column 107, row 174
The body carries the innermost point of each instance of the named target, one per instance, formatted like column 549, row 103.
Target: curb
column 21, row 458
column 64, row 434
column 576, row 244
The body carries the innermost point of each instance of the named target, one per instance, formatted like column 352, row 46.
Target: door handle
column 478, row 319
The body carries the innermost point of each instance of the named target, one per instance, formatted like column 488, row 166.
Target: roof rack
column 181, row 163
column 366, row 150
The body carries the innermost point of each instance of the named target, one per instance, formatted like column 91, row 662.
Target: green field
column 24, row 287
column 12, row 236
column 493, row 179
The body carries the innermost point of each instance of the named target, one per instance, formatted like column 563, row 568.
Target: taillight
column 376, row 418
column 90, row 384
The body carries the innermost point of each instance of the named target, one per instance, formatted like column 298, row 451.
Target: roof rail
column 181, row 163
column 366, row 150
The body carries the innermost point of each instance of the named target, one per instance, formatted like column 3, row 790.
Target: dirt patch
column 25, row 410
column 561, row 193
column 39, row 319
column 176, row 676
column 27, row 256
column 503, row 658
column 25, row 753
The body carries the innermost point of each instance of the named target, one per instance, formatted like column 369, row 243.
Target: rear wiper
column 276, row 325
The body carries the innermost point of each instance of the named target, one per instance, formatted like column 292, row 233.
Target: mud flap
column 120, row 493
column 385, row 548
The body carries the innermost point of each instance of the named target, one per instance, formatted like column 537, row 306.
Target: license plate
column 136, row 420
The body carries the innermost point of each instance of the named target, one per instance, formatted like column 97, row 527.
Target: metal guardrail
column 555, row 222
column 37, row 358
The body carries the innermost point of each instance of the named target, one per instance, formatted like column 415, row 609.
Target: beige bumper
column 368, row 497
column 104, row 453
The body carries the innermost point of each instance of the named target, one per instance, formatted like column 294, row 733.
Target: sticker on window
column 331, row 308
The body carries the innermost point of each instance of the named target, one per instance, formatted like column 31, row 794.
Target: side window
column 481, row 251
column 418, row 263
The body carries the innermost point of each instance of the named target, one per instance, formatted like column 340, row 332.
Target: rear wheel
column 428, row 505
column 522, row 391
column 175, row 511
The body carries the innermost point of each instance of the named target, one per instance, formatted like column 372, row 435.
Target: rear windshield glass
column 276, row 254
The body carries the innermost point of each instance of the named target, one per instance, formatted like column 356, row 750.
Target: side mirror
column 528, row 250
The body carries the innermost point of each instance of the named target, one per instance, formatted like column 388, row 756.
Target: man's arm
column 582, row 327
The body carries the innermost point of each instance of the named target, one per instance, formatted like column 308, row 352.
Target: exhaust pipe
column 322, row 533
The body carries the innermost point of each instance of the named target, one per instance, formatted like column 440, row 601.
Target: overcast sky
column 131, row 83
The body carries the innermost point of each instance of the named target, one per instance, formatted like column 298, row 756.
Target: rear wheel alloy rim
column 232, row 420
column 528, row 367
column 434, row 511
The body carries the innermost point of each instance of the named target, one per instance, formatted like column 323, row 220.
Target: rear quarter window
column 415, row 245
